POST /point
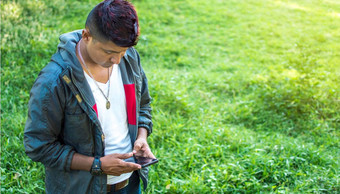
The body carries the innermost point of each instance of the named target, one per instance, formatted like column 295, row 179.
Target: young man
column 89, row 110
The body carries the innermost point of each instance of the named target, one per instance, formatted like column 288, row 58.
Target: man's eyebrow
column 112, row 51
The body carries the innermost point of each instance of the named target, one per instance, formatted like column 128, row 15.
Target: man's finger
column 132, row 166
column 151, row 155
column 137, row 146
column 124, row 156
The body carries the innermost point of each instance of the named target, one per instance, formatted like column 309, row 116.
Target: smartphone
column 144, row 161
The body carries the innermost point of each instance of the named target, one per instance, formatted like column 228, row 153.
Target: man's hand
column 141, row 147
column 113, row 164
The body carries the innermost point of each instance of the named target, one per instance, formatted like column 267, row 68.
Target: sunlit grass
column 245, row 93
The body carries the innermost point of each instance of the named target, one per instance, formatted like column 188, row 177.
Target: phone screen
column 144, row 161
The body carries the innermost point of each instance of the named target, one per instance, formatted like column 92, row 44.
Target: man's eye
column 108, row 52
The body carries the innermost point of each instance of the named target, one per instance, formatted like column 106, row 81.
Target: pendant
column 108, row 104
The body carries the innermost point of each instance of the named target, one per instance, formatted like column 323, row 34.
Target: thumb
column 137, row 146
column 124, row 156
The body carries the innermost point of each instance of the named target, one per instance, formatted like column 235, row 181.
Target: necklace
column 108, row 104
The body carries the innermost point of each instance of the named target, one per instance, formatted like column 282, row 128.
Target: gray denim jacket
column 62, row 118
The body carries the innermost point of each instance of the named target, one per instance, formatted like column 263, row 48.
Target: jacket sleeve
column 144, row 119
column 44, row 123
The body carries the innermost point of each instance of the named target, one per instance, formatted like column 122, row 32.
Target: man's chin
column 107, row 65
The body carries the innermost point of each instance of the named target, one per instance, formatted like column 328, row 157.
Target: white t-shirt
column 114, row 120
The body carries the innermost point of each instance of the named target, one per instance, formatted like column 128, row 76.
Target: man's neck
column 85, row 55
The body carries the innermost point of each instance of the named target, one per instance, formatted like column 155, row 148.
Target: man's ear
column 86, row 35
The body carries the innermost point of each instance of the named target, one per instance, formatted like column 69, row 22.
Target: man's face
column 104, row 54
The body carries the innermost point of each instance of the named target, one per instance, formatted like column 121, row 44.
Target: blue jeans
column 132, row 188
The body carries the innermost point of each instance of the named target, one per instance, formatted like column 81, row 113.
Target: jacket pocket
column 78, row 134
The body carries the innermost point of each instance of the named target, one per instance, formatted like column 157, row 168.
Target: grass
column 245, row 93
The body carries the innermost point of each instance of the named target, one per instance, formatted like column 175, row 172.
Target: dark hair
column 114, row 20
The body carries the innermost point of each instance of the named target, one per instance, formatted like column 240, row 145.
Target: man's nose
column 115, row 60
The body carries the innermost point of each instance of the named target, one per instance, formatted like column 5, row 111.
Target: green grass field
column 246, row 94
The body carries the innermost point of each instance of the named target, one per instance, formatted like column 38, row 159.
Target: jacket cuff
column 69, row 160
